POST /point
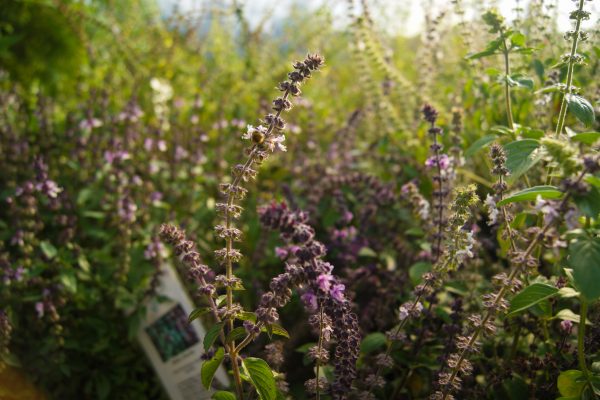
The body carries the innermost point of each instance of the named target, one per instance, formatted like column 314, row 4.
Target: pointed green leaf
column 261, row 376
column 490, row 49
column 479, row 144
column 584, row 258
column 197, row 313
column 275, row 329
column 373, row 342
column 530, row 194
column 521, row 155
column 581, row 108
column 568, row 315
column 518, row 80
column 223, row 395
column 209, row 367
column 589, row 203
column 246, row 316
column 517, row 39
column 236, row 334
column 570, row 384
column 530, row 296
column 48, row 249
column 211, row 335
column 586, row 137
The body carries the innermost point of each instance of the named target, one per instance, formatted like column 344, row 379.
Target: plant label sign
column 174, row 345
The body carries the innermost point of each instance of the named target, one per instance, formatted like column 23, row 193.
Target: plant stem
column 505, row 51
column 440, row 198
column 236, row 374
column 563, row 106
column 319, row 352
column 580, row 342
column 229, row 246
column 501, row 293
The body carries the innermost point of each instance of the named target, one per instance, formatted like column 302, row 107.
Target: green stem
column 505, row 51
column 319, row 352
column 563, row 106
column 229, row 264
column 580, row 343
column 500, row 295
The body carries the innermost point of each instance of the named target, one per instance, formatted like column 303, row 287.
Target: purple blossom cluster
column 312, row 275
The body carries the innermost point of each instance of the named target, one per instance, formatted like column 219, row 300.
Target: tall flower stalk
column 459, row 246
column 494, row 304
column 576, row 36
column 265, row 138
column 441, row 163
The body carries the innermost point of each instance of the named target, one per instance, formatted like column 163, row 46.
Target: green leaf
column 197, row 313
column 48, row 249
column 546, row 192
column 236, row 334
column 479, row 144
column 246, row 316
column 261, row 376
column 586, row 137
column 212, row 335
column 568, row 315
column 69, row 281
column 589, row 203
column 521, row 156
column 570, row 384
column 538, row 67
column 83, row 262
column 581, row 108
column 373, row 342
column 491, row 49
column 531, row 295
column 94, row 214
column 519, row 80
column 209, row 367
column 584, row 258
column 223, row 395
column 416, row 271
column 275, row 329
column 517, row 39
column 367, row 252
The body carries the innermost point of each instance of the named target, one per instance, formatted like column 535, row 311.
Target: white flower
column 423, row 210
column 90, row 123
column 466, row 250
column 572, row 219
column 403, row 312
column 546, row 208
column 278, row 141
column 251, row 129
column 493, row 212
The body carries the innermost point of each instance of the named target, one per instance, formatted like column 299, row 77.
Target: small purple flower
column 337, row 292
column 566, row 326
column 156, row 197
column 90, row 123
column 181, row 153
column 347, row 217
column 111, row 156
column 154, row 250
column 310, row 301
column 324, row 282
column 39, row 308
column 18, row 238
column 49, row 188
column 281, row 252
column 444, row 161
column 148, row 144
